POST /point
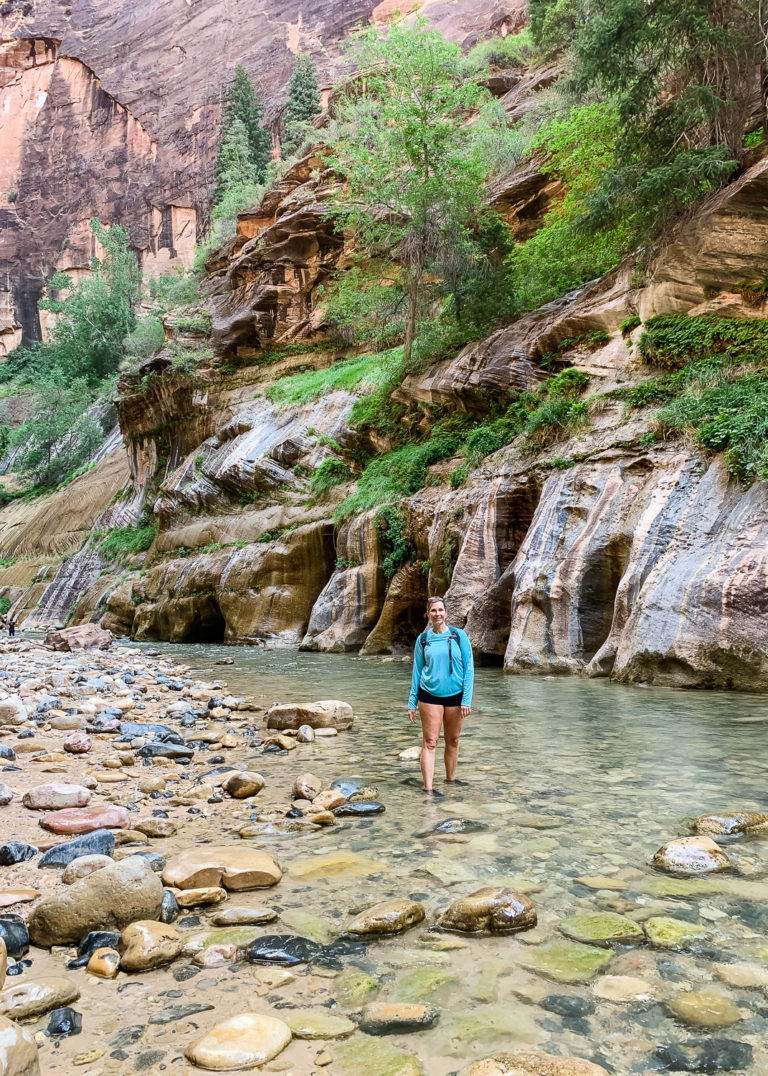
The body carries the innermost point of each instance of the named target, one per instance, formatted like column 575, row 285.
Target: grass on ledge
column 367, row 371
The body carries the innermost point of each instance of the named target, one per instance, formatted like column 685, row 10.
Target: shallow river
column 568, row 779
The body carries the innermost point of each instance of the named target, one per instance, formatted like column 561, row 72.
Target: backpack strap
column 453, row 634
column 423, row 643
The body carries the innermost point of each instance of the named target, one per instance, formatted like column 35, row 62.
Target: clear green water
column 569, row 778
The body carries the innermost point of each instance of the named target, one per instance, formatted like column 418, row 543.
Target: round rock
column 83, row 866
column 18, row 1050
column 241, row 1042
column 397, row 1018
column 33, row 998
column 704, row 1009
column 691, row 855
column 495, row 909
column 387, row 917
column 307, row 786
column 56, row 796
column 243, row 785
column 147, row 944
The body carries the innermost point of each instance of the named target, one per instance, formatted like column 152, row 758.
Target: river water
column 568, row 779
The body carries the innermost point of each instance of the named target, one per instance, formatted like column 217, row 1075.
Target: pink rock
column 86, row 819
column 78, row 743
column 55, row 796
column 79, row 637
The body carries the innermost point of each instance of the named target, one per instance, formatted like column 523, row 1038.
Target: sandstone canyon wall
column 111, row 109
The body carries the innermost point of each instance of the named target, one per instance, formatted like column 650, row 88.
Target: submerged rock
column 243, row 916
column 373, row 1056
column 531, row 1064
column 707, row 1055
column 497, row 909
column 111, row 898
column 704, row 1009
column 307, row 786
column 566, row 962
column 359, row 809
column 318, row 1024
column 397, row 1018
column 329, row 713
column 664, row 932
column 602, row 929
column 691, row 855
column 232, row 867
column 387, row 917
column 241, row 1042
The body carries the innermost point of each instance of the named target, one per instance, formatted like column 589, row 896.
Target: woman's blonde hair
column 431, row 602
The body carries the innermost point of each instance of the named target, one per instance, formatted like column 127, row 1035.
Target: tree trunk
column 410, row 324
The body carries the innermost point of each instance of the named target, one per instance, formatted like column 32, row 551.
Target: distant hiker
column 441, row 687
column 11, row 628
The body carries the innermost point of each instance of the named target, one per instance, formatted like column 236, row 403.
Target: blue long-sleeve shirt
column 431, row 667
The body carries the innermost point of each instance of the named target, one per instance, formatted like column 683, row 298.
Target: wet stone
column 704, row 1009
column 7, row 753
column 495, row 909
column 566, row 962
column 243, row 785
column 397, row 1018
column 359, row 809
column 731, row 823
column 691, row 855
column 282, row 949
column 454, row 825
column 664, row 932
column 185, row 972
column 174, row 751
column 99, row 842
column 156, row 827
column 13, row 931
column 169, row 910
column 34, row 998
column 232, row 917
column 318, row 1024
column 387, row 917
column 232, row 868
column 64, row 1022
column 178, row 1012
column 242, row 1041
column 104, row 963
column 568, row 1005
column 707, row 1055
column 16, row 852
column 602, row 929
column 148, row 944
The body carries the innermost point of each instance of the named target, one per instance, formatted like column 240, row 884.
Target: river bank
column 572, row 830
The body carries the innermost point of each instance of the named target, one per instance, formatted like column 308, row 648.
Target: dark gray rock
column 178, row 1012
column 359, row 809
column 283, row 949
column 100, row 842
column 13, row 931
column 170, row 910
column 568, row 1005
column 16, row 852
column 706, row 1055
column 64, row 1022
column 132, row 730
column 173, row 751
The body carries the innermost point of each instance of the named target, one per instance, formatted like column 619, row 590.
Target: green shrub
column 674, row 339
column 147, row 338
column 367, row 371
column 178, row 288
column 459, row 475
column 5, row 605
column 396, row 544
column 514, row 50
column 127, row 541
column 331, row 472
column 629, row 323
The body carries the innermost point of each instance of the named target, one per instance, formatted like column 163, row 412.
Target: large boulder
column 80, row 637
column 493, row 908
column 108, row 899
column 18, row 1051
column 231, row 867
column 329, row 713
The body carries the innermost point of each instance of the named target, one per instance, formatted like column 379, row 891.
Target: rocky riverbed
column 195, row 879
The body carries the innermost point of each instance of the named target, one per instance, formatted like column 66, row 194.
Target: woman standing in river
column 441, row 687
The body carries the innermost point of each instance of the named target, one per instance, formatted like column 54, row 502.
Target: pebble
column 22, row 895
column 359, row 809
column 328, row 713
column 242, row 1041
column 707, row 1055
column 215, row 956
column 664, row 932
column 744, row 976
column 64, row 1022
column 104, row 963
column 284, row 950
column 307, row 786
column 156, row 827
column 79, row 743
column 305, row 734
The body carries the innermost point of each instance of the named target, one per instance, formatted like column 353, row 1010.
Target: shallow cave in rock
column 206, row 625
column 597, row 594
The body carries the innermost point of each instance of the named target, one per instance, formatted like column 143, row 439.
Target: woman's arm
column 418, row 665
column 469, row 669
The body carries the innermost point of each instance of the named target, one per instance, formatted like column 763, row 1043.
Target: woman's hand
column 465, row 711
column 412, row 714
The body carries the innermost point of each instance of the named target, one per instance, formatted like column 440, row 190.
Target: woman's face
column 437, row 615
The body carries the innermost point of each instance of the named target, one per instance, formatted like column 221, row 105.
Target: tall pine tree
column 303, row 103
column 241, row 116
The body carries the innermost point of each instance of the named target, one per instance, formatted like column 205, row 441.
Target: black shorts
column 438, row 700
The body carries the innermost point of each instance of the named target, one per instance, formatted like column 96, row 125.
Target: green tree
column 682, row 78
column 244, row 145
column 303, row 103
column 93, row 317
column 60, row 435
column 415, row 175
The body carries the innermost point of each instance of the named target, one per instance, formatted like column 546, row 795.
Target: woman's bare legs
column 431, row 719
column 452, row 721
